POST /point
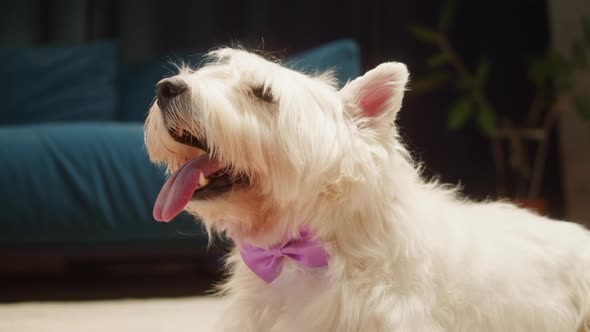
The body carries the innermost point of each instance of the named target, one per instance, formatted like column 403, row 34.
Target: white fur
column 406, row 254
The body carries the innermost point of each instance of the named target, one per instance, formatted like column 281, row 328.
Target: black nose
column 169, row 88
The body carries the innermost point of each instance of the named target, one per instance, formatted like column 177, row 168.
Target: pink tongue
column 180, row 186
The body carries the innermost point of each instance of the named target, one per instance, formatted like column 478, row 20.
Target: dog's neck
column 363, row 225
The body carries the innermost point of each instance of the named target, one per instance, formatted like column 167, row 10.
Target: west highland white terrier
column 334, row 227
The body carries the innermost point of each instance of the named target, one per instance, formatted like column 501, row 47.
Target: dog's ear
column 378, row 94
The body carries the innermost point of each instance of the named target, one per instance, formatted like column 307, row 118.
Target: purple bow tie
column 267, row 264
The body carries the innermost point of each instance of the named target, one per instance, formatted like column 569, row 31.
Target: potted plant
column 519, row 149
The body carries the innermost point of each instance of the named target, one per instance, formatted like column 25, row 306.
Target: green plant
column 552, row 76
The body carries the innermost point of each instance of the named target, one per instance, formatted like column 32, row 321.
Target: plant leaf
column 446, row 16
column 483, row 71
column 538, row 70
column 425, row 34
column 558, row 64
column 560, row 71
column 428, row 83
column 459, row 113
column 461, row 84
column 486, row 121
column 551, row 67
column 578, row 55
column 586, row 29
column 438, row 60
column 582, row 104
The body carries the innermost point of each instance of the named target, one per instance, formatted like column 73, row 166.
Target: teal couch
column 74, row 173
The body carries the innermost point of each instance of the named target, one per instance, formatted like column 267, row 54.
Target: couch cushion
column 58, row 83
column 343, row 56
column 138, row 81
column 81, row 184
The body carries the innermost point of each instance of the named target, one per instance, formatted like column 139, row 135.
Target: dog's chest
column 298, row 297
column 297, row 283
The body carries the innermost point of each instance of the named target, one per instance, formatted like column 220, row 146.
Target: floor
column 145, row 315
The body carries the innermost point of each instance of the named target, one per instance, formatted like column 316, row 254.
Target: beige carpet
column 176, row 315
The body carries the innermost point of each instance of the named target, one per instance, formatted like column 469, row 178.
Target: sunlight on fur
column 287, row 150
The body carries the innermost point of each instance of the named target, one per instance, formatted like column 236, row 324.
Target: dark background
column 505, row 32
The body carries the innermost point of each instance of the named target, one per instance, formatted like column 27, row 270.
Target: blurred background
column 499, row 104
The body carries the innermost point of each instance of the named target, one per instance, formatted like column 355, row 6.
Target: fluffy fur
column 406, row 254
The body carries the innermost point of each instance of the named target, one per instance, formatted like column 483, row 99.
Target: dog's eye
column 262, row 93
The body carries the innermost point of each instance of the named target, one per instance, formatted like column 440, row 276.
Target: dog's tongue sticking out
column 180, row 186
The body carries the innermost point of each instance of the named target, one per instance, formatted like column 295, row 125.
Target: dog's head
column 253, row 147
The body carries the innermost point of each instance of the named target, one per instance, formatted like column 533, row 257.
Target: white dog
column 335, row 229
